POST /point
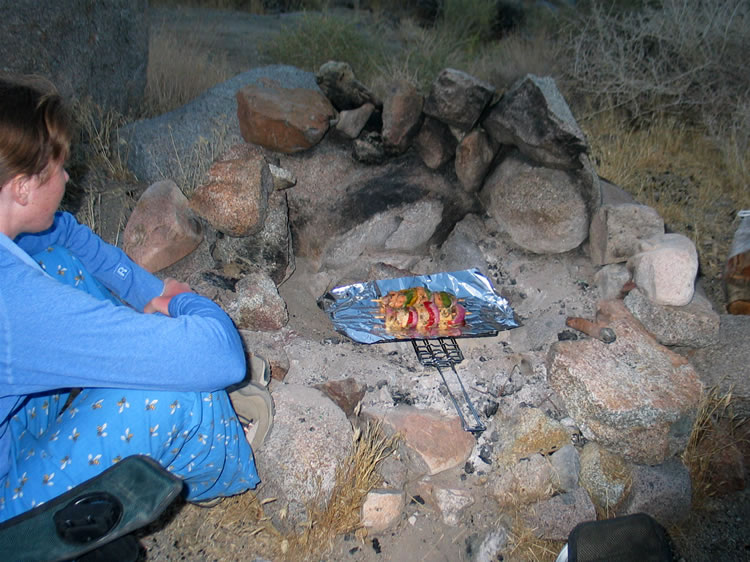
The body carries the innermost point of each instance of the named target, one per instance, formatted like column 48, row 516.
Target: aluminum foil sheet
column 354, row 312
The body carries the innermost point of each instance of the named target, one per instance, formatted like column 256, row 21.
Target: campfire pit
column 351, row 310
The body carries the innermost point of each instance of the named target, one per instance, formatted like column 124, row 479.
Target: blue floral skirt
column 195, row 435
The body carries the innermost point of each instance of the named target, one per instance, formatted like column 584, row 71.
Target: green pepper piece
column 411, row 297
column 446, row 298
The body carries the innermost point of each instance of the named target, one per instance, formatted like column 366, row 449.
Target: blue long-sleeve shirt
column 53, row 336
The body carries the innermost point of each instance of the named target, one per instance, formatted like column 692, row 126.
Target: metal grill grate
column 441, row 352
column 444, row 353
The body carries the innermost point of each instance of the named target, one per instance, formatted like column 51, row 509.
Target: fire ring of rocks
column 589, row 404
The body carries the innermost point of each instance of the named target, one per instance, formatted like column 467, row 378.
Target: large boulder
column 458, row 99
column 310, row 439
column 402, row 114
column 337, row 81
column 542, row 209
column 534, row 116
column 474, row 156
column 159, row 148
column 632, row 395
column 96, row 50
column 285, row 120
column 435, row 143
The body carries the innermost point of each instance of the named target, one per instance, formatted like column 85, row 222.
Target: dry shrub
column 189, row 169
column 472, row 21
column 709, row 436
column 180, row 68
column 252, row 6
column 95, row 159
column 684, row 56
column 422, row 54
column 98, row 140
column 503, row 62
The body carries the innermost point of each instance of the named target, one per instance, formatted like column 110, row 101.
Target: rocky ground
column 546, row 288
column 719, row 531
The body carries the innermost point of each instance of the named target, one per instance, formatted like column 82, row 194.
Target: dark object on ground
column 636, row 538
column 93, row 521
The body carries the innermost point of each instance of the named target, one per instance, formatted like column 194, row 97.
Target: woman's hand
column 172, row 287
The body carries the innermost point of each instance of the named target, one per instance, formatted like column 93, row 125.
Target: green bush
column 320, row 37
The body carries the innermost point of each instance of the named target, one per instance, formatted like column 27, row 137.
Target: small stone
column 381, row 509
column 451, row 503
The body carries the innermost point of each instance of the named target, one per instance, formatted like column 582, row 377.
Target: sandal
column 260, row 370
column 255, row 410
column 258, row 373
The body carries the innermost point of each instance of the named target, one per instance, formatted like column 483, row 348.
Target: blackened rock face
column 376, row 196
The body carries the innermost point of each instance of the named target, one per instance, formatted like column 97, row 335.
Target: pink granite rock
column 438, row 440
column 382, row 508
column 234, row 200
column 665, row 269
column 283, row 119
column 402, row 112
column 633, row 395
column 474, row 157
column 162, row 229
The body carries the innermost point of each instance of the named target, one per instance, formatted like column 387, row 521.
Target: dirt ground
column 721, row 532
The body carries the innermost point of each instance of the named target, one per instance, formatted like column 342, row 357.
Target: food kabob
column 421, row 310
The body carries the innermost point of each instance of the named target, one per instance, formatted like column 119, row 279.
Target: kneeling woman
column 150, row 356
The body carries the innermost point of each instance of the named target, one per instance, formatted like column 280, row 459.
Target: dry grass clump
column 715, row 428
column 503, row 62
column 98, row 139
column 696, row 185
column 524, row 544
column 239, row 528
column 355, row 478
column 95, row 160
column 422, row 54
column 189, row 168
column 179, row 70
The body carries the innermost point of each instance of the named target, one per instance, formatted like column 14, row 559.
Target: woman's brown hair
column 34, row 127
